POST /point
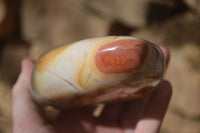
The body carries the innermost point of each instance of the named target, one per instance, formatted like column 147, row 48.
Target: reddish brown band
column 121, row 56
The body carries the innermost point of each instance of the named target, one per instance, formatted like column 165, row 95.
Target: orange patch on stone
column 80, row 81
column 121, row 56
column 49, row 58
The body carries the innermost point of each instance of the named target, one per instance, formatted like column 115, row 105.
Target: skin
column 142, row 115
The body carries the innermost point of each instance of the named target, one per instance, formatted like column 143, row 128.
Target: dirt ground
column 30, row 28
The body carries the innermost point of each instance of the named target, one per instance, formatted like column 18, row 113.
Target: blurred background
column 28, row 28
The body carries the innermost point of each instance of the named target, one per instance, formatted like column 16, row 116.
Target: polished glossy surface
column 97, row 70
column 121, row 56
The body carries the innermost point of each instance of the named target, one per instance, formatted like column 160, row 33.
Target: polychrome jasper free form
column 98, row 70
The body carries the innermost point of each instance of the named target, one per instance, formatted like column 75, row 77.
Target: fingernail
column 166, row 54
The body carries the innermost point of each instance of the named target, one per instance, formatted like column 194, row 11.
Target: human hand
column 140, row 115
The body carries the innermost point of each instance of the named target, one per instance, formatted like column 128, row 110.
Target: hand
column 142, row 115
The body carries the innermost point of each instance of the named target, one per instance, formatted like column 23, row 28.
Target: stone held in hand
column 98, row 70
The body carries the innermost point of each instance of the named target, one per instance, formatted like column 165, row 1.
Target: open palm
column 142, row 115
column 139, row 115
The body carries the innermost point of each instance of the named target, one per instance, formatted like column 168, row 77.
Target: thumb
column 25, row 111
